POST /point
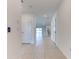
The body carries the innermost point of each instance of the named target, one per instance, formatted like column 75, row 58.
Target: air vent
column 22, row 1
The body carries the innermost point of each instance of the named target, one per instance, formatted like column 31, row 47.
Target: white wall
column 15, row 49
column 13, row 19
column 63, row 28
column 28, row 22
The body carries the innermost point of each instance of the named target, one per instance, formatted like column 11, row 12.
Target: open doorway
column 39, row 36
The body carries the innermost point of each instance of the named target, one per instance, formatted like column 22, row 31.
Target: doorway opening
column 39, row 36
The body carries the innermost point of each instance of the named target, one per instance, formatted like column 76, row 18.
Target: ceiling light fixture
column 22, row 1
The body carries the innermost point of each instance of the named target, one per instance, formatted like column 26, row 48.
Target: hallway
column 43, row 49
column 53, row 16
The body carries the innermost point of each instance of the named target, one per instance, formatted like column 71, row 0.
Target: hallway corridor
column 43, row 49
column 24, row 16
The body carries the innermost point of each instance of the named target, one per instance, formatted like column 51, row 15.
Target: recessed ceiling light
column 22, row 1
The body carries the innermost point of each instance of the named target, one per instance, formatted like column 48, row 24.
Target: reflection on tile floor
column 45, row 50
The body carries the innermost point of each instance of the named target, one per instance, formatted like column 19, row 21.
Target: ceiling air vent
column 22, row 1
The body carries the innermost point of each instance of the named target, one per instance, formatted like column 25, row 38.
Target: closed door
column 26, row 32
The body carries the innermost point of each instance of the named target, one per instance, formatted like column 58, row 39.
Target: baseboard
column 62, row 51
column 59, row 48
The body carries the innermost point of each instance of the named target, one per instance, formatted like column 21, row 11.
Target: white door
column 53, row 33
column 26, row 32
column 28, row 24
column 53, row 29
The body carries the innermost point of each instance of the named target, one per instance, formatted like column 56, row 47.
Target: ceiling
column 40, row 8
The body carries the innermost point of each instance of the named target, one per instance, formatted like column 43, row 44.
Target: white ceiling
column 39, row 8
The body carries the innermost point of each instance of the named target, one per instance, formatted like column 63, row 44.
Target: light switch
column 9, row 29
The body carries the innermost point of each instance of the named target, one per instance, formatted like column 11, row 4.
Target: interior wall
column 63, row 28
column 13, row 37
column 15, row 48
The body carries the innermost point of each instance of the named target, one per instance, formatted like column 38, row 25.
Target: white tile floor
column 43, row 49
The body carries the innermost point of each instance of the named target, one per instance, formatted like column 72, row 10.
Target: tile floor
column 46, row 49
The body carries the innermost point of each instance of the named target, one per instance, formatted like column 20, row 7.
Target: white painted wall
column 14, row 37
column 15, row 48
column 28, row 23
column 63, row 28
